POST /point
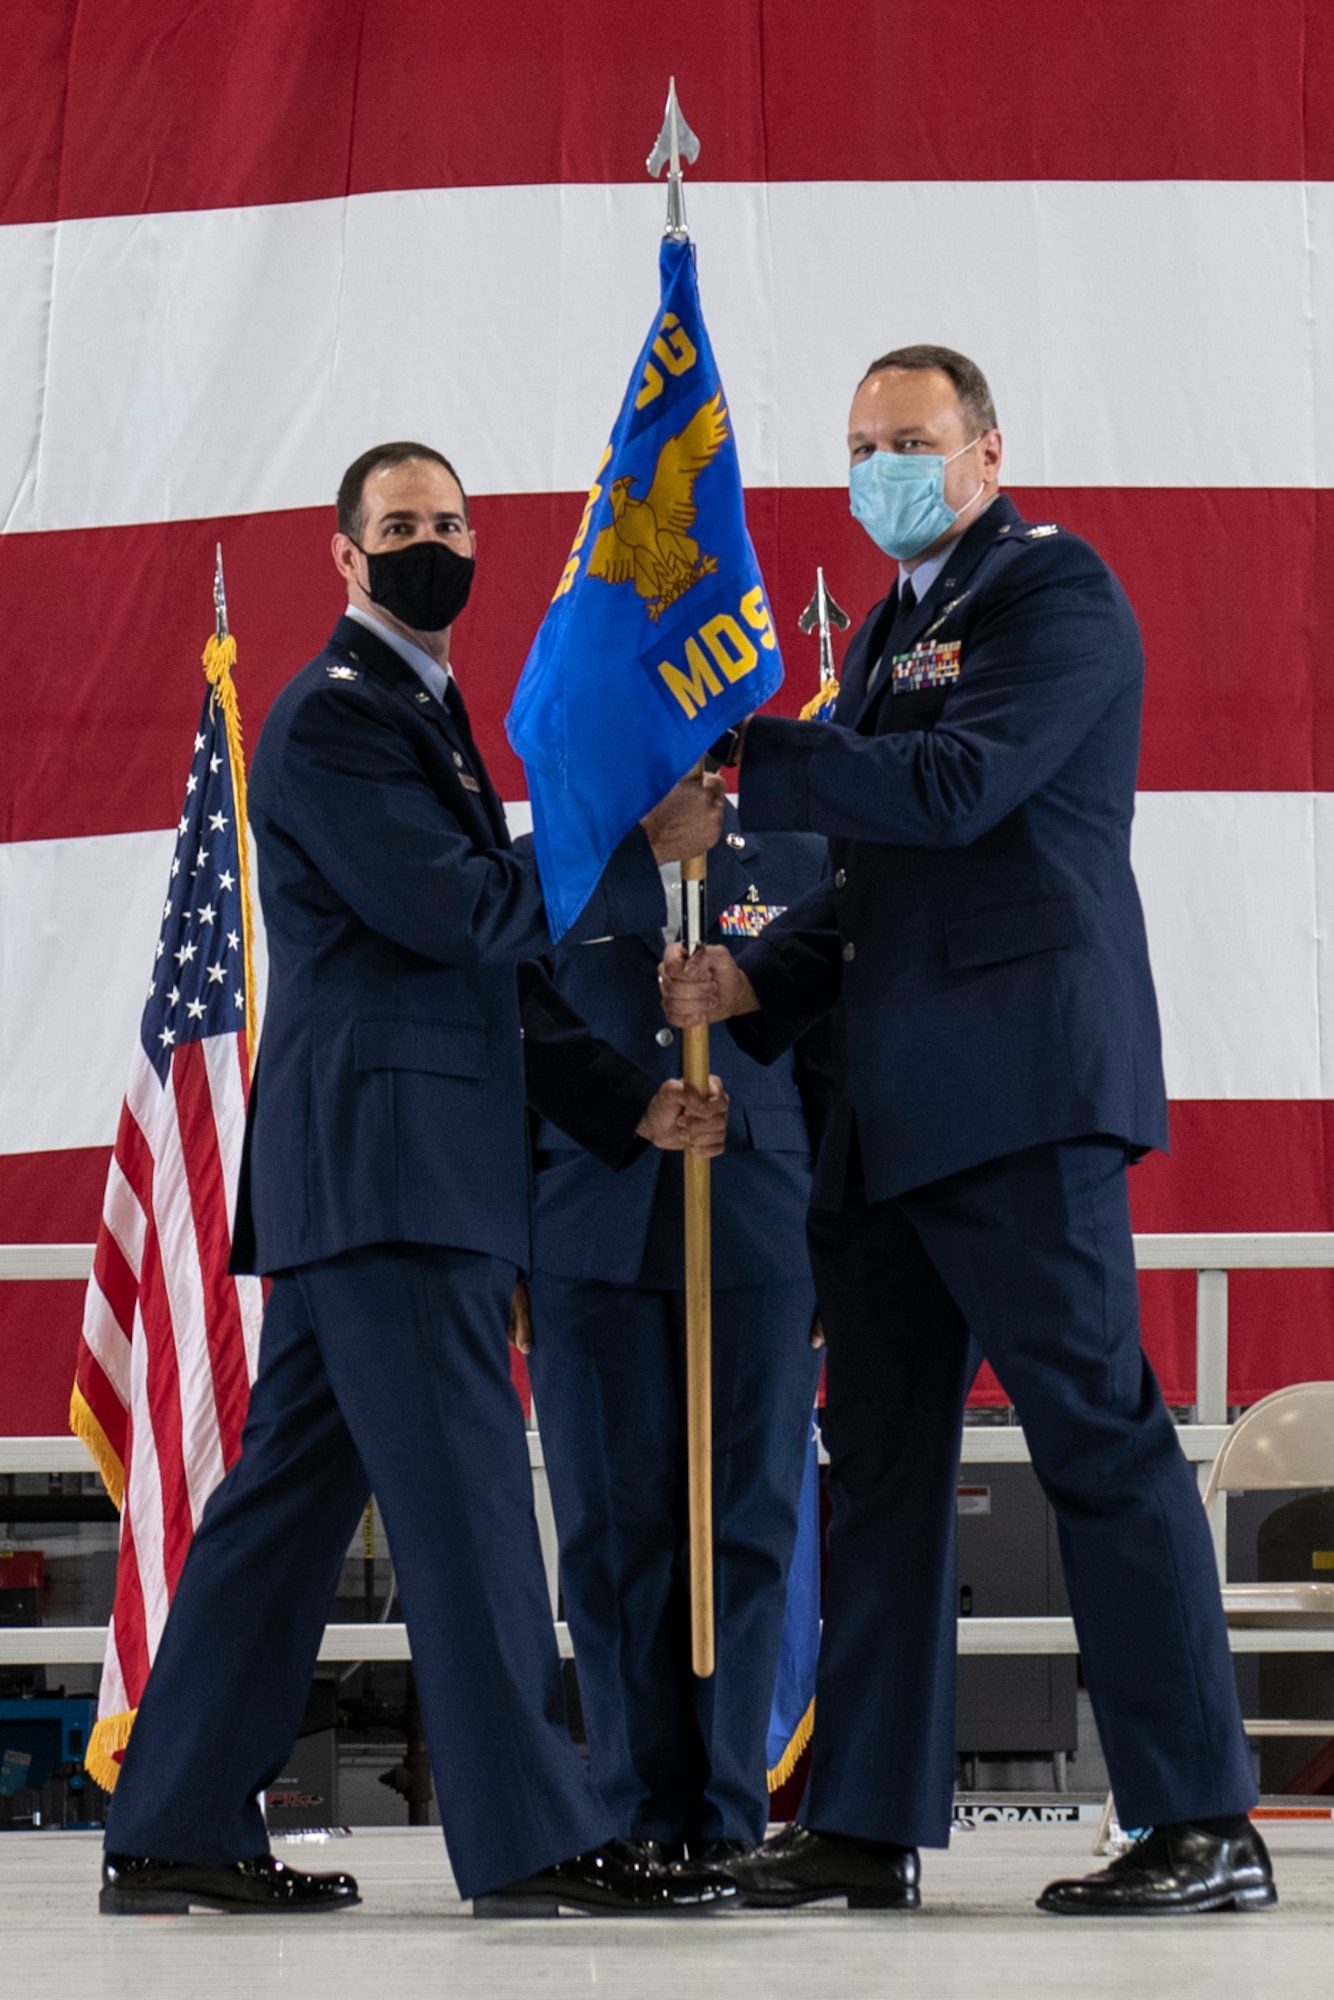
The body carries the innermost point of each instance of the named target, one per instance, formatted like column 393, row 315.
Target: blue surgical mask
column 899, row 498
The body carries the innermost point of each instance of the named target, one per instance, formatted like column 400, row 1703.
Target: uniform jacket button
column 840, row 878
column 664, row 1038
column 849, row 952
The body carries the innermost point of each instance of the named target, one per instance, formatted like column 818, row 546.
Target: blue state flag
column 659, row 636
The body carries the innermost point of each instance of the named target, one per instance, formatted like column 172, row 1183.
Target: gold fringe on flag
column 801, row 1736
column 109, row 1737
column 219, row 659
column 820, row 704
column 99, row 1446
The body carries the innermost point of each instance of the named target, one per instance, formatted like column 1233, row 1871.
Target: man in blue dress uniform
column 983, row 944
column 385, row 1189
column 679, row 1760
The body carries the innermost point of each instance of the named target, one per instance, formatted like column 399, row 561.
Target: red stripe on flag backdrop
column 118, row 108
column 1235, row 1165
column 77, row 606
column 115, row 108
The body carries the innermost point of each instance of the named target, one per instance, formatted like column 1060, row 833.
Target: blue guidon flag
column 659, row 637
column 792, row 1709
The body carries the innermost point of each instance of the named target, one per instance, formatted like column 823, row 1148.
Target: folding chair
column 1283, row 1442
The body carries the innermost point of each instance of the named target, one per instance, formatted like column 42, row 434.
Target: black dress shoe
column 617, row 1878
column 802, row 1866
column 715, row 1852
column 664, row 1852
column 708, row 1867
column 136, row 1887
column 1172, row 1871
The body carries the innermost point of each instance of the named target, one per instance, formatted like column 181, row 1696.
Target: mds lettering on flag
column 659, row 636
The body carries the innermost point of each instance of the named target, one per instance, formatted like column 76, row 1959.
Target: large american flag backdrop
column 241, row 241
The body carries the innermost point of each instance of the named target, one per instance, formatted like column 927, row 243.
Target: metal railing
column 1210, row 1256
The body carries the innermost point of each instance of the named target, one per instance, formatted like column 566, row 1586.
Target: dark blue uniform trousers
column 675, row 1758
column 387, row 1369
column 1031, row 1255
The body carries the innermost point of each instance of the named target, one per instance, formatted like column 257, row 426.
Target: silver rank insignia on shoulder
column 950, row 608
column 1037, row 534
column 342, row 673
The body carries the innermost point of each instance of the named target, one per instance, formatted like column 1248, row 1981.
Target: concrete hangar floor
column 977, row 1935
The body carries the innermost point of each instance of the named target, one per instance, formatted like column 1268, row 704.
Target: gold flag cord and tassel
column 219, row 659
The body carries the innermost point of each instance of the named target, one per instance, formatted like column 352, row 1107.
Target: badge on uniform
column 926, row 666
column 748, row 919
column 342, row 673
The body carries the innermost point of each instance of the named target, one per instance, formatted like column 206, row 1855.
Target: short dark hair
column 970, row 384
column 352, row 486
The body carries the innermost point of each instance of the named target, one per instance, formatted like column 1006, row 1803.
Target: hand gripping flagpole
column 675, row 141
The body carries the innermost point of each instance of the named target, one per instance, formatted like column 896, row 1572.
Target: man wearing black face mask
column 405, row 547
column 384, row 1188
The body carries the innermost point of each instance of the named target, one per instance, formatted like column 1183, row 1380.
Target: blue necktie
column 903, row 611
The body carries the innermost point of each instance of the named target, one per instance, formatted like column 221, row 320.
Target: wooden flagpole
column 699, row 1315
column 673, row 142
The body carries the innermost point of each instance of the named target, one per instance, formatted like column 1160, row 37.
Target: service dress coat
column 983, row 944
column 982, row 929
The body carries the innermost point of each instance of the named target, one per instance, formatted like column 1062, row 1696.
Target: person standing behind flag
column 679, row 1760
column 984, row 945
column 384, row 1188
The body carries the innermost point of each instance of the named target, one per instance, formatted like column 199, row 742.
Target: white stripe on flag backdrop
column 237, row 244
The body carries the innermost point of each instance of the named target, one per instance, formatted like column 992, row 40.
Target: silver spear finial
column 674, row 143
column 821, row 613
column 219, row 598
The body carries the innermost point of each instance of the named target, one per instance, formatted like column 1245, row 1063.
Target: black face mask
column 424, row 586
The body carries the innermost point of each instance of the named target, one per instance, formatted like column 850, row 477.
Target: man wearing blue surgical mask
column 923, row 466
column 982, row 944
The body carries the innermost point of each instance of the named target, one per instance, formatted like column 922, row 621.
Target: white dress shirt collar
column 433, row 677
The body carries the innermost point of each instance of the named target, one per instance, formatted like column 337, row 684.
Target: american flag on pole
column 170, row 1340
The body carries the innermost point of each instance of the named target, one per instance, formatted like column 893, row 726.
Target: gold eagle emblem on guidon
column 647, row 540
